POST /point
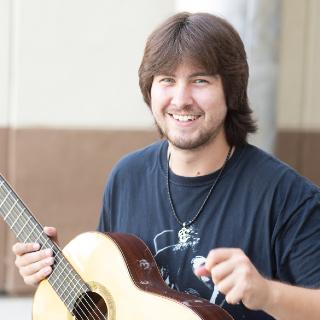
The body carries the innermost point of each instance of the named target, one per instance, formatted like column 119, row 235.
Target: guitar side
column 121, row 269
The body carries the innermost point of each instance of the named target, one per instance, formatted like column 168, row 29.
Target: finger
column 235, row 295
column 236, row 285
column 219, row 255
column 35, row 279
column 227, row 284
column 35, row 267
column 29, row 258
column 202, row 272
column 222, row 270
column 20, row 249
column 51, row 232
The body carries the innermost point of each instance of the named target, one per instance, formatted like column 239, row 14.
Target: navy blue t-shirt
column 259, row 205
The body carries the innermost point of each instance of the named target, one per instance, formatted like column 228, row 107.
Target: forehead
column 187, row 71
column 184, row 67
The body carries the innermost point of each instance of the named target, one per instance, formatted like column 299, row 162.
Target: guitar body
column 121, row 270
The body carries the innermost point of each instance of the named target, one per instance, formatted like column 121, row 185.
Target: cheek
column 159, row 97
column 213, row 103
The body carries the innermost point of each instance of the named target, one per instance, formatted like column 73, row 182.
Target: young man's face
column 189, row 106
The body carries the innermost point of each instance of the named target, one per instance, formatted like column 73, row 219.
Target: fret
column 18, row 217
column 75, row 291
column 31, row 232
column 5, row 198
column 34, row 226
column 56, row 268
column 6, row 216
column 64, row 286
column 68, row 272
column 72, row 301
column 38, row 237
column 81, row 290
column 27, row 221
column 78, row 282
column 45, row 243
column 69, row 292
column 83, row 287
column 64, row 280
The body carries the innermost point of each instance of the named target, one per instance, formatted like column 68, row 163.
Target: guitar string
column 8, row 197
column 58, row 264
column 12, row 205
column 25, row 225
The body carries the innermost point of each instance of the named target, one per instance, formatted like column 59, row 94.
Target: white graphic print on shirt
column 167, row 242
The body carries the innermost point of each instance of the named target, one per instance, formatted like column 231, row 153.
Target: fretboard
column 64, row 279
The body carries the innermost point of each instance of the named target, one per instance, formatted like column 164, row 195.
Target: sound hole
column 90, row 306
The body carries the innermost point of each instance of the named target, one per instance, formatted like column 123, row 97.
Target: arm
column 237, row 278
column 290, row 302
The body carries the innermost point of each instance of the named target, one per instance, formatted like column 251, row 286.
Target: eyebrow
column 201, row 74
column 195, row 74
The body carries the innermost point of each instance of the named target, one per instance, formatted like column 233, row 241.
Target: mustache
column 185, row 110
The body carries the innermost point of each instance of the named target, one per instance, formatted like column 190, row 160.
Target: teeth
column 184, row 118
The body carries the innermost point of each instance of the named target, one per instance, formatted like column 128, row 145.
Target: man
column 225, row 220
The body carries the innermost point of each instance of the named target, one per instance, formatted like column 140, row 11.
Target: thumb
column 202, row 271
column 52, row 233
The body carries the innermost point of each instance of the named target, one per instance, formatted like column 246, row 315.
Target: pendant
column 184, row 234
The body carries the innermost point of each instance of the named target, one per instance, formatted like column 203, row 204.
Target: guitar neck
column 65, row 281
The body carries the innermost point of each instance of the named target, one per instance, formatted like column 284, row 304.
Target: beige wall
column 3, row 230
column 74, row 63
column 299, row 99
column 298, row 118
column 4, row 61
column 69, row 64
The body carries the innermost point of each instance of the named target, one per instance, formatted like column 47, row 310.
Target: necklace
column 184, row 232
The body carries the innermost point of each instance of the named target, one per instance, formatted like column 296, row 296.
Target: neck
column 198, row 162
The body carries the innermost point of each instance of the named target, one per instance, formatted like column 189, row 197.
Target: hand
column 236, row 277
column 34, row 265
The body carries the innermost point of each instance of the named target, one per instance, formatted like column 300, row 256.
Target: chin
column 189, row 144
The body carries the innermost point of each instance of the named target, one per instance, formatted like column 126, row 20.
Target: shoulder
column 257, row 157
column 264, row 163
column 140, row 158
column 138, row 162
column 277, row 176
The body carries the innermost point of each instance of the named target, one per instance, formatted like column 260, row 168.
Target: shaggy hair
column 212, row 43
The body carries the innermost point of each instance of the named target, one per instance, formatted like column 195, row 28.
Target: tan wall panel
column 289, row 147
column 292, row 63
column 3, row 230
column 298, row 97
column 301, row 151
column 311, row 108
column 311, row 156
column 61, row 173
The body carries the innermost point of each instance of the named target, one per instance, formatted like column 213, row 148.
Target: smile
column 185, row 117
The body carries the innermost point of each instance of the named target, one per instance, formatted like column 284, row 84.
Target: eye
column 201, row 81
column 166, row 80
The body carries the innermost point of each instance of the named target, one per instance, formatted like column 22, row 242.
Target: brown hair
column 212, row 43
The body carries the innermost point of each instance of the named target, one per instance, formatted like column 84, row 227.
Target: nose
column 181, row 96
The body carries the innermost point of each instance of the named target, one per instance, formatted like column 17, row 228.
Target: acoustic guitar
column 101, row 276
